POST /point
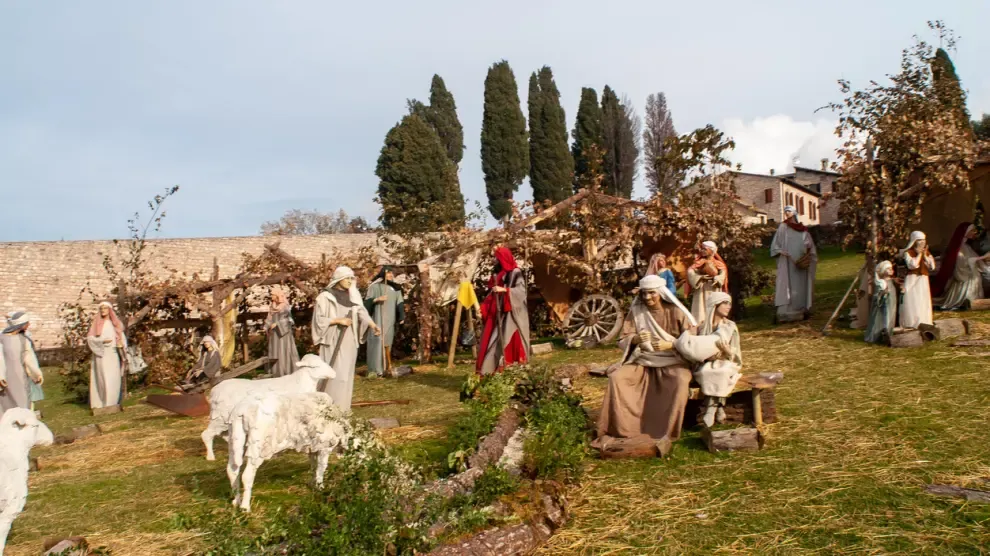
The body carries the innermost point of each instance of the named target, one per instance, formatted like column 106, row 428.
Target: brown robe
column 645, row 400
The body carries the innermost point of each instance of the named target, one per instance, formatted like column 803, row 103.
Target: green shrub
column 493, row 482
column 556, row 445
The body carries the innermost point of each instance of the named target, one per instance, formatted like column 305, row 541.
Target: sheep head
column 21, row 424
column 316, row 367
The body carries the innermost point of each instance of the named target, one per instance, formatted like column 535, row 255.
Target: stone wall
column 40, row 276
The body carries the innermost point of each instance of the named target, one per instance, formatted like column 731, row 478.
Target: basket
column 804, row 262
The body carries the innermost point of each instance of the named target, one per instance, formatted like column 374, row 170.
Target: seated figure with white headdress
column 648, row 393
column 797, row 257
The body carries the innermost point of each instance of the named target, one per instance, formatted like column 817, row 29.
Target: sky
column 256, row 107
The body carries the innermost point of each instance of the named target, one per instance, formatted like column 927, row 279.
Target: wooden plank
column 746, row 439
column 453, row 335
column 380, row 402
column 245, row 368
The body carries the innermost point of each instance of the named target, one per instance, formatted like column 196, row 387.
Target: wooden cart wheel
column 595, row 317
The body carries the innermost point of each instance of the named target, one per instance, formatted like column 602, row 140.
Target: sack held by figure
column 804, row 262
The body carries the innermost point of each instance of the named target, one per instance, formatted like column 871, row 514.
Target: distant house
column 803, row 189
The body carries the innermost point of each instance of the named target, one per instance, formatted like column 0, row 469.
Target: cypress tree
column 947, row 87
column 418, row 187
column 550, row 163
column 504, row 152
column 621, row 145
column 587, row 132
column 441, row 114
column 443, row 118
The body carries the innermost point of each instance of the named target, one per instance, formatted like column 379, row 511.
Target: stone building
column 806, row 189
column 39, row 276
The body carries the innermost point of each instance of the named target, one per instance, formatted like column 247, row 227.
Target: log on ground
column 542, row 349
column 944, row 329
column 980, row 305
column 642, row 446
column 969, row 494
column 906, row 339
column 733, row 440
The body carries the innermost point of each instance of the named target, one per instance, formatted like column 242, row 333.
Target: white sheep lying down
column 20, row 430
column 267, row 423
column 310, row 370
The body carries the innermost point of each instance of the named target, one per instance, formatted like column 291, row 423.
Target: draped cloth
column 505, row 317
column 916, row 304
column 20, row 366
column 105, row 371
column 334, row 303
column 795, row 286
column 883, row 312
column 699, row 288
column 282, row 351
column 717, row 372
column 648, row 394
column 959, row 279
column 386, row 315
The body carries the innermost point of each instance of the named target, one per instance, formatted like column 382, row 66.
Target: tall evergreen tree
column 550, row 164
column 587, row 132
column 443, row 118
column 947, row 87
column 504, row 152
column 418, row 187
column 621, row 143
column 659, row 127
column 982, row 128
column 441, row 114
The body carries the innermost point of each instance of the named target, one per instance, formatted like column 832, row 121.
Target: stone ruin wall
column 41, row 275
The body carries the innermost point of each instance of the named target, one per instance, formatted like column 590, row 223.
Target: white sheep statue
column 267, row 423
column 310, row 370
column 20, row 430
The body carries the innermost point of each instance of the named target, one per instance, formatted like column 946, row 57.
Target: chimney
column 824, row 165
column 772, row 171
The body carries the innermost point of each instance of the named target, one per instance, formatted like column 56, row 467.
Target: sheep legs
column 318, row 463
column 5, row 521
column 247, row 482
column 233, row 473
column 214, row 429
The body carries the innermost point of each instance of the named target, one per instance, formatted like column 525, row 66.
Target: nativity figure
column 20, row 374
column 707, row 274
column 107, row 344
column 386, row 305
column 959, row 280
column 916, row 304
column 282, row 352
column 797, row 258
column 505, row 317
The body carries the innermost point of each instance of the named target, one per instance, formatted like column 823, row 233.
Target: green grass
column 862, row 428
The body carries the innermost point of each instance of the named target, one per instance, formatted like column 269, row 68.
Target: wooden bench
column 751, row 401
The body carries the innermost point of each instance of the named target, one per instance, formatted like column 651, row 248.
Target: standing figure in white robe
column 19, row 370
column 708, row 274
column 106, row 342
column 916, row 304
column 796, row 260
column 340, row 325
column 960, row 279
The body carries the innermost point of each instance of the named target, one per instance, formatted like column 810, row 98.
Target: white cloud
column 775, row 141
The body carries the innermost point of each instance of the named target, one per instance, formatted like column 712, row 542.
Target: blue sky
column 257, row 107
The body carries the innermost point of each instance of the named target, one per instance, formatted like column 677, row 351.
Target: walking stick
column 123, row 375
column 841, row 303
column 381, row 325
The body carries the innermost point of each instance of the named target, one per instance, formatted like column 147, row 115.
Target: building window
column 801, row 206
column 768, row 196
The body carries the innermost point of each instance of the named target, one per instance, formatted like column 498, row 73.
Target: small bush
column 494, row 482
column 558, row 438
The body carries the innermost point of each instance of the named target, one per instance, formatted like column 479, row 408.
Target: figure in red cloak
column 505, row 339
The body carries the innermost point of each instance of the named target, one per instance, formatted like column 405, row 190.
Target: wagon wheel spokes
column 594, row 315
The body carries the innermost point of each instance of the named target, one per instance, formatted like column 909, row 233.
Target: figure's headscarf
column 342, row 273
column 949, row 257
column 209, row 340
column 654, row 266
column 96, row 328
column 883, row 267
column 653, row 282
column 505, row 263
column 17, row 321
column 279, row 300
column 380, row 277
column 794, row 224
column 712, row 302
column 719, row 265
column 915, row 236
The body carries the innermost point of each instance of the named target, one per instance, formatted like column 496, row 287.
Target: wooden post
column 841, row 303
column 454, row 333
column 757, row 407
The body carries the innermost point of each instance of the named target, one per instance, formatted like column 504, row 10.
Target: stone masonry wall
column 39, row 276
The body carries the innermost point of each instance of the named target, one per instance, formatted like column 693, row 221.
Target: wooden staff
column 843, row 302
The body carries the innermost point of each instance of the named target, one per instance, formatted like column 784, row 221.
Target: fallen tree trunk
column 970, row 494
column 733, row 440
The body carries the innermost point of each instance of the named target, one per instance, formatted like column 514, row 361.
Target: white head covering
column 710, row 245
column 341, row 273
column 654, row 282
column 712, row 301
column 209, row 340
column 790, row 209
column 17, row 321
column 883, row 267
column 915, row 236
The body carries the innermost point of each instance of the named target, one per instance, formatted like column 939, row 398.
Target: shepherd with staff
column 340, row 325
column 387, row 307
